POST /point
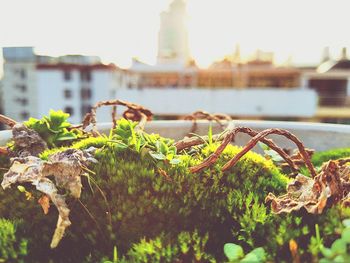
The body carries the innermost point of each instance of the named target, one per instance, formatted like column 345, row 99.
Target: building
column 1, row 104
column 222, row 74
column 35, row 84
column 331, row 81
column 173, row 45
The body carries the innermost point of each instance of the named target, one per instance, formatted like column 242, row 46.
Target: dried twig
column 4, row 151
column 298, row 158
column 114, row 116
column 7, row 121
column 263, row 134
column 134, row 112
column 203, row 115
column 228, row 137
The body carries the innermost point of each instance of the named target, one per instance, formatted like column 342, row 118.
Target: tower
column 326, row 55
column 173, row 35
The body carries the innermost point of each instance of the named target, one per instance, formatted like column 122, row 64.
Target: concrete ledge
column 318, row 136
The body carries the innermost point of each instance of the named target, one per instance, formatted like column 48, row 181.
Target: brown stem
column 134, row 112
column 193, row 141
column 141, row 125
column 228, row 138
column 203, row 115
column 214, row 156
column 264, row 133
column 4, row 151
column 7, row 121
column 114, row 116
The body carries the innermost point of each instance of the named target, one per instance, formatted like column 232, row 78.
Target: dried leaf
column 27, row 141
column 44, row 201
column 66, row 167
column 330, row 186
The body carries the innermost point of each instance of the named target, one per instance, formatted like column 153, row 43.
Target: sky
column 117, row 30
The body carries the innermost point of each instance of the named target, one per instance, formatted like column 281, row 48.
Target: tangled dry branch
column 7, row 121
column 133, row 112
column 229, row 136
column 203, row 115
column 331, row 185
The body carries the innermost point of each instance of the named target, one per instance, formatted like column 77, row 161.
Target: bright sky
column 118, row 30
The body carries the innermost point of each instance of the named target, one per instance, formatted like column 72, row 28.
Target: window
column 85, row 75
column 22, row 88
column 85, row 93
column 69, row 110
column 24, row 115
column 85, row 109
column 67, row 75
column 68, row 93
column 23, row 73
column 22, row 101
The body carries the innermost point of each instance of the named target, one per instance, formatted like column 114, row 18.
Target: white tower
column 173, row 35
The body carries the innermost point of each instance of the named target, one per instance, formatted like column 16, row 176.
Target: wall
column 12, row 93
column 249, row 102
column 51, row 86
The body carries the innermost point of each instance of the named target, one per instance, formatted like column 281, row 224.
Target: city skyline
column 119, row 30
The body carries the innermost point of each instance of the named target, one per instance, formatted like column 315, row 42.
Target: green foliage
column 97, row 142
column 115, row 256
column 12, row 248
column 187, row 247
column 320, row 157
column 270, row 154
column 337, row 252
column 53, row 128
column 235, row 253
column 160, row 149
column 130, row 200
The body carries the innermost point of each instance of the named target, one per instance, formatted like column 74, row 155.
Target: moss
column 187, row 247
column 128, row 199
column 131, row 200
column 12, row 247
column 97, row 142
column 319, row 158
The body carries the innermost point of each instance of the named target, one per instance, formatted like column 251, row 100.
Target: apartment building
column 32, row 84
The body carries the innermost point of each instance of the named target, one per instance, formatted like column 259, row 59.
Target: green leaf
column 250, row 258
column 175, row 161
column 259, row 253
column 210, row 135
column 345, row 235
column 66, row 136
column 346, row 222
column 158, row 156
column 339, row 259
column 162, row 147
column 115, row 254
column 172, row 149
column 263, row 146
column 233, row 251
column 274, row 155
column 119, row 144
column 56, row 119
column 338, row 247
column 21, row 188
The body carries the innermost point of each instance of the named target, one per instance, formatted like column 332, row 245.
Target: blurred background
column 250, row 59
